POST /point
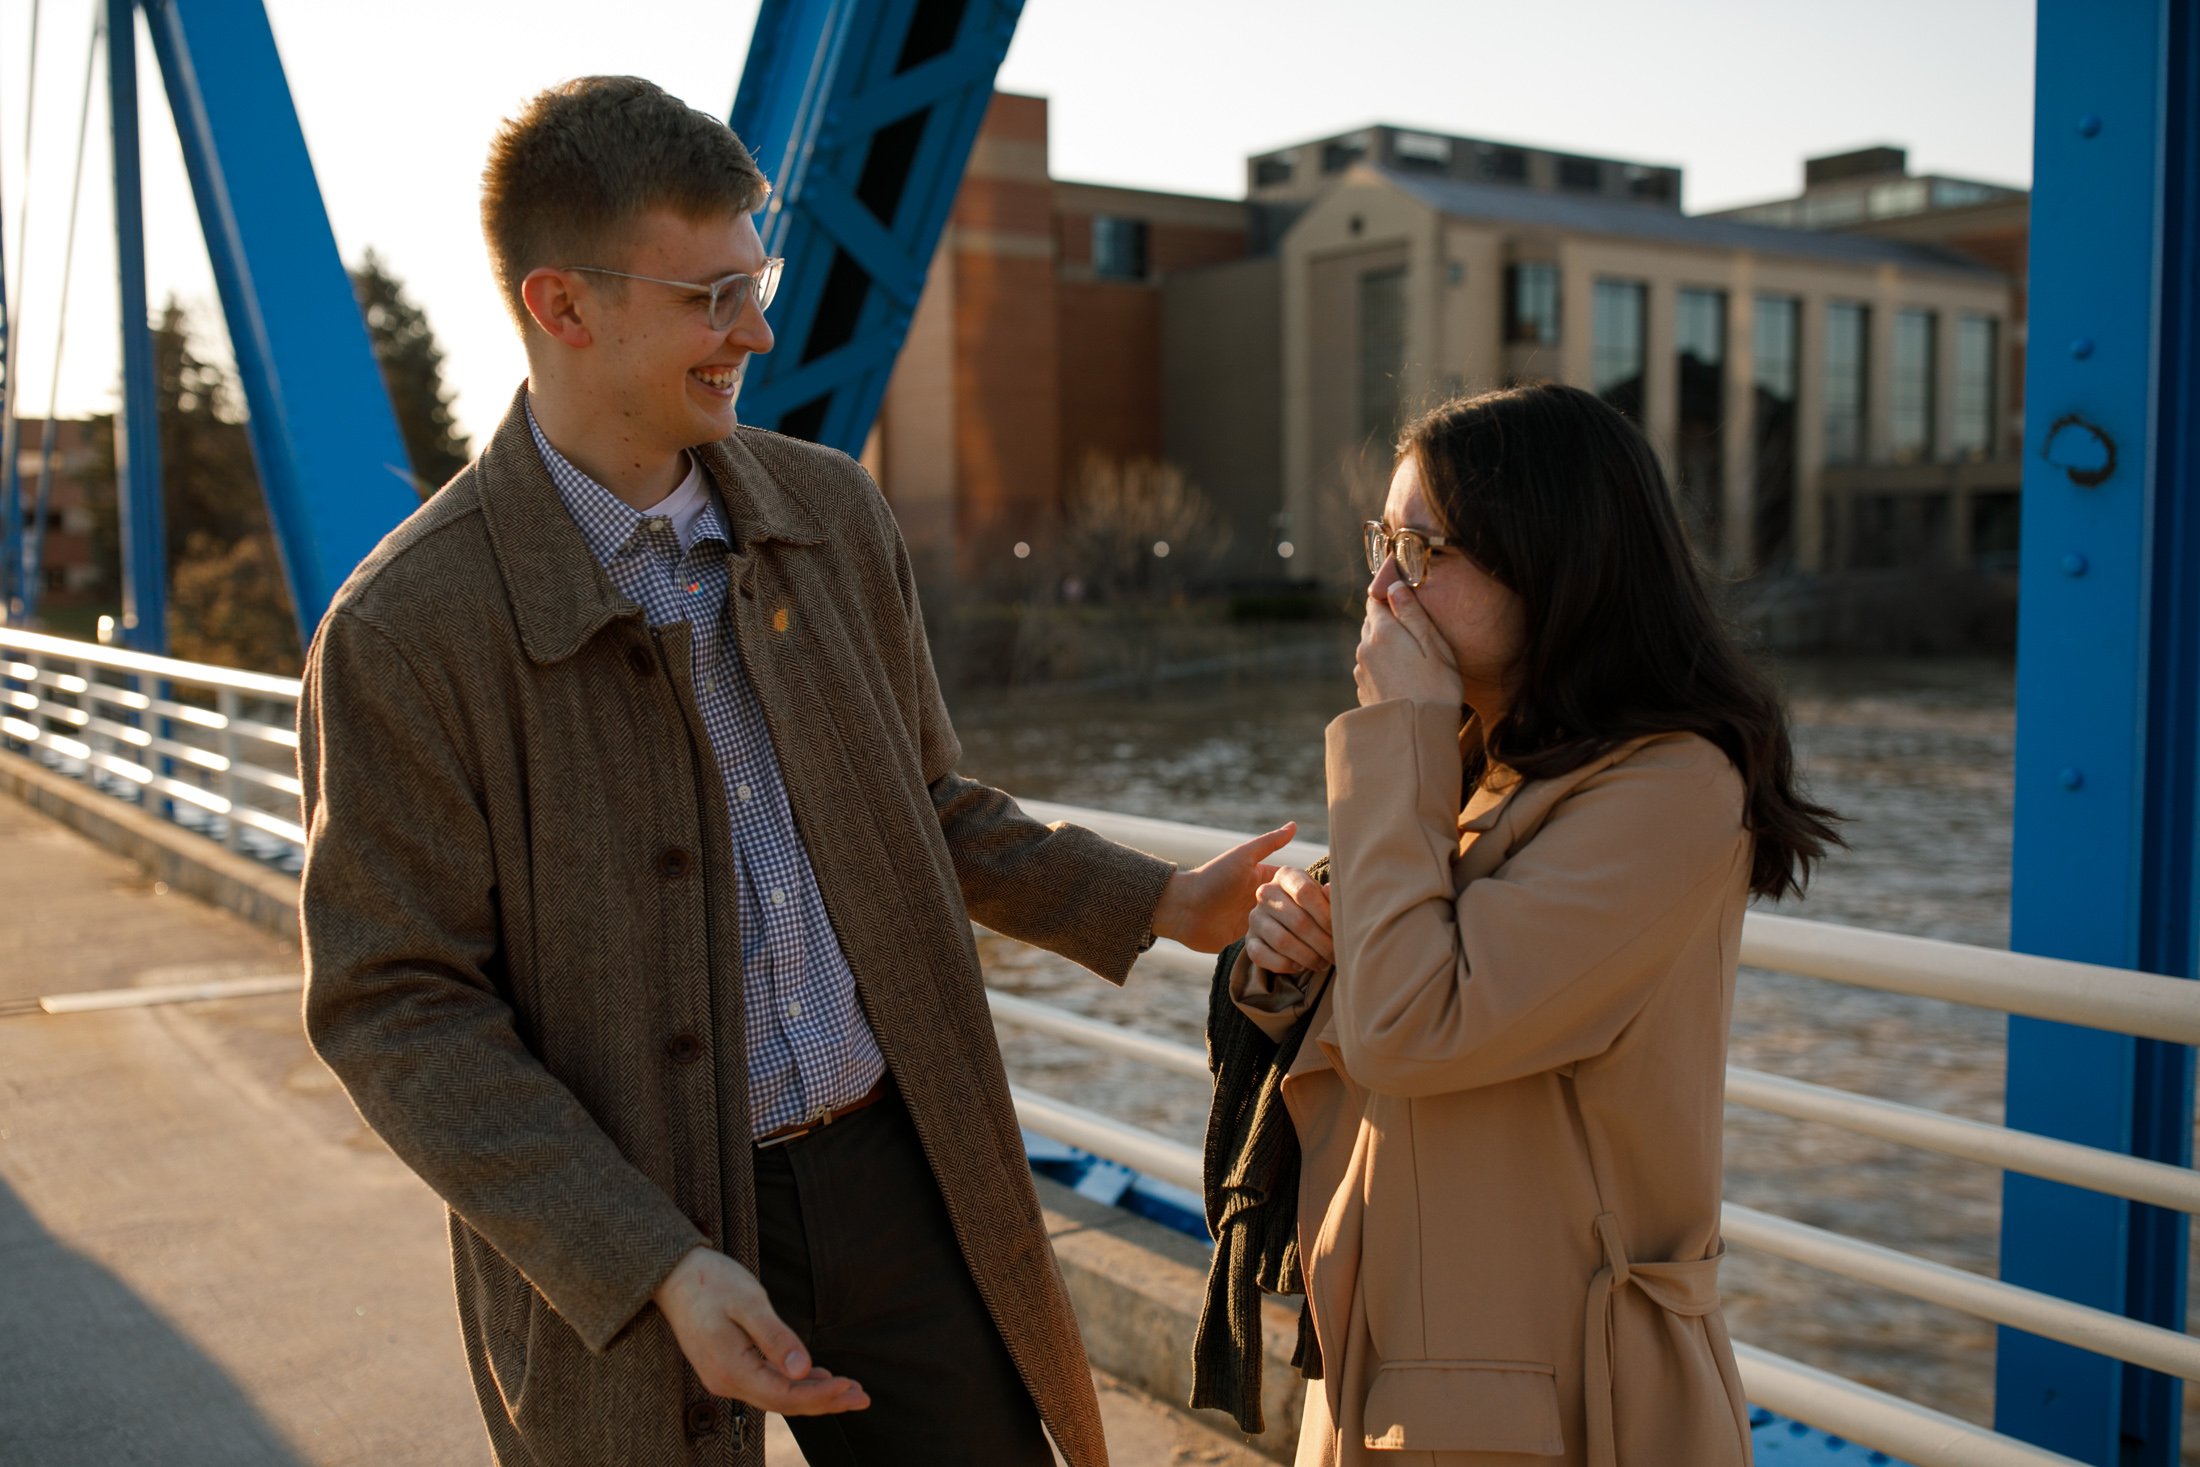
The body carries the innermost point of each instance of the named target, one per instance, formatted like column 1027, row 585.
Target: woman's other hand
column 1289, row 929
column 1402, row 655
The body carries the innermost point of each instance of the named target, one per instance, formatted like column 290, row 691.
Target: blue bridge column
column 2108, row 690
column 137, row 426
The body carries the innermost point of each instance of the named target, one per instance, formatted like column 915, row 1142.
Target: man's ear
column 552, row 298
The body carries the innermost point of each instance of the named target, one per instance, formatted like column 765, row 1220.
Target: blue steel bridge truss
column 864, row 113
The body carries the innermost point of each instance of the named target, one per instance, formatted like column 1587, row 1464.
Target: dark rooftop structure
column 1577, row 214
column 1299, row 172
column 1866, row 185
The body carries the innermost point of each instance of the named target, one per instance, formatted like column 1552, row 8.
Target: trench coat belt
column 1680, row 1288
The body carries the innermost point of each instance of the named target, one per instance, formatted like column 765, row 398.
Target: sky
column 398, row 103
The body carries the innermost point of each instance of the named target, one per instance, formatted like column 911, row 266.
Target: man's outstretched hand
column 739, row 1347
column 1206, row 907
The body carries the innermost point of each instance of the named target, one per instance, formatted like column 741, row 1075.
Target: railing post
column 85, row 670
column 228, row 703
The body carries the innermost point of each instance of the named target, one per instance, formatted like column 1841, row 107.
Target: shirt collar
column 608, row 523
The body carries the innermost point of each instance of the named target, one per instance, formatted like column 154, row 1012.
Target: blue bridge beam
column 2108, row 690
column 331, row 460
column 862, row 113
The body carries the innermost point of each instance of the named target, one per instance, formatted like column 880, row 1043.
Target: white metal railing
column 215, row 746
column 200, row 739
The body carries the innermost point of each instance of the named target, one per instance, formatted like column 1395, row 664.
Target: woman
column 1560, row 790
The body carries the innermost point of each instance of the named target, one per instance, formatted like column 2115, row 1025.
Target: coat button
column 673, row 863
column 638, row 658
column 683, row 1049
column 702, row 1418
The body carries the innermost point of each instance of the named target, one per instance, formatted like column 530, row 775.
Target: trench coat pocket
column 1464, row 1406
column 511, row 1341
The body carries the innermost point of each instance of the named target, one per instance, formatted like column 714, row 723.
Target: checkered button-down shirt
column 810, row 1047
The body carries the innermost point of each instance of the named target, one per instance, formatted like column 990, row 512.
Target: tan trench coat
column 1510, row 1106
column 520, row 919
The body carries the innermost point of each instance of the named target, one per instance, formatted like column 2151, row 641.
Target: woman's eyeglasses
column 1411, row 548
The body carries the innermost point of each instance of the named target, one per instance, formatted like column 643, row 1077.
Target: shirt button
column 683, row 1049
column 779, row 896
column 743, row 792
column 702, row 1419
column 673, row 863
column 794, row 1009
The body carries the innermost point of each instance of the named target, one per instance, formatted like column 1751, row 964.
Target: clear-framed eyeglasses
column 722, row 298
column 1411, row 547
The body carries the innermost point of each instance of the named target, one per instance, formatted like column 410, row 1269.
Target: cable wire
column 11, row 516
column 34, row 558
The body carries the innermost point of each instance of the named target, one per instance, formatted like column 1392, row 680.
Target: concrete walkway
column 207, row 1258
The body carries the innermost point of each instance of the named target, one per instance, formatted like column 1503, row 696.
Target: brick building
column 82, row 469
column 1037, row 341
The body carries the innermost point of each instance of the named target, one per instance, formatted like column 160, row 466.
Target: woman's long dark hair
column 1561, row 499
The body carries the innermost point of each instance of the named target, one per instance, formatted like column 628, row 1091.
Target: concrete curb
column 191, row 864
column 1137, row 1285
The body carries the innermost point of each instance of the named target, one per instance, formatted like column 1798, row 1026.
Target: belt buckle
column 815, row 1120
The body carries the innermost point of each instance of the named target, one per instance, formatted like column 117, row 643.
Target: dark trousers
column 861, row 1262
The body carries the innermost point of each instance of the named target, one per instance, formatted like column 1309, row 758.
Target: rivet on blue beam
column 2075, row 564
column 2082, row 348
column 2073, row 779
column 2089, row 126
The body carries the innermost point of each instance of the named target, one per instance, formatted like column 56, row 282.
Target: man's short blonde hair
column 582, row 162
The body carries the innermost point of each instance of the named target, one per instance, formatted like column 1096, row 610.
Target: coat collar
column 559, row 593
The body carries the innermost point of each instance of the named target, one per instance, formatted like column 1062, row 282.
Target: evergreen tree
column 412, row 370
column 210, row 486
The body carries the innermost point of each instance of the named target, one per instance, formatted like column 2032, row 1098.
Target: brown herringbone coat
column 520, row 917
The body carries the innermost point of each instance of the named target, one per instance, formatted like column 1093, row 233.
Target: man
column 639, row 880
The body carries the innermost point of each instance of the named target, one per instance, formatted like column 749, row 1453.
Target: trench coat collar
column 559, row 593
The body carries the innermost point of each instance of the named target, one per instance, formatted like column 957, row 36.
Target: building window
column 1777, row 345
column 1889, row 200
column 1502, row 165
column 1531, row 304
column 1382, row 351
column 1268, row 172
column 1650, row 183
column 1953, row 193
column 1910, row 396
column 1996, row 519
column 1343, row 153
column 1848, row 360
column 1700, row 459
column 1827, row 211
column 1971, row 415
column 1118, row 248
column 1615, row 345
column 1421, row 152
column 1584, row 175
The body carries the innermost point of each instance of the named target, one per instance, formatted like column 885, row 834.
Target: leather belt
column 819, row 1119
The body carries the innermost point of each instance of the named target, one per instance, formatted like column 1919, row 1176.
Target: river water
column 1918, row 756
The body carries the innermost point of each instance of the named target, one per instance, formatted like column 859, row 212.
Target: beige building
column 1824, row 397
column 1753, row 356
